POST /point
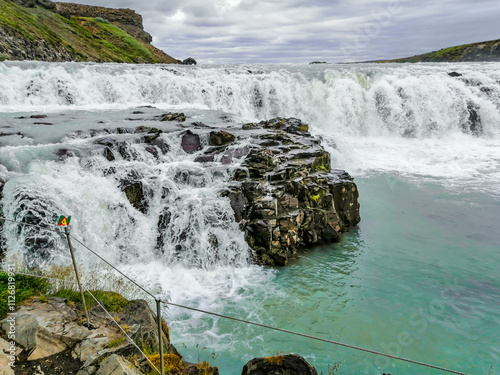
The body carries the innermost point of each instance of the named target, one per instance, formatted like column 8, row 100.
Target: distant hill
column 47, row 31
column 483, row 51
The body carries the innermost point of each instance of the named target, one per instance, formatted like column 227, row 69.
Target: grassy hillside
column 39, row 34
column 482, row 51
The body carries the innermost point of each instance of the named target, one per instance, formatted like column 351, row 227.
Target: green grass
column 84, row 38
column 116, row 342
column 110, row 300
column 119, row 41
column 26, row 287
column 451, row 54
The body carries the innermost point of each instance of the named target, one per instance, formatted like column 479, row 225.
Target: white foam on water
column 411, row 120
column 370, row 110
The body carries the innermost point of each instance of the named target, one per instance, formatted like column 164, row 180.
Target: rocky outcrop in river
column 287, row 197
column 286, row 364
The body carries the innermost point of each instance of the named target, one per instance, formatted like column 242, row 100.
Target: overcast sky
column 299, row 31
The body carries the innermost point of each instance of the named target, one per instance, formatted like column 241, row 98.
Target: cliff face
column 483, row 51
column 47, row 31
column 126, row 19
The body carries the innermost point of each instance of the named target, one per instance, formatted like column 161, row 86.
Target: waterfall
column 410, row 101
column 414, row 119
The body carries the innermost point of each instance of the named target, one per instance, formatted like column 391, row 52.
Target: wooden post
column 160, row 340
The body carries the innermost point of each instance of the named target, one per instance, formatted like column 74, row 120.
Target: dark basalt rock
column 288, row 364
column 474, row 124
column 173, row 117
column 189, row 61
column 32, row 3
column 190, row 142
column 64, row 153
column 219, row 138
column 287, row 198
column 136, row 192
column 284, row 194
column 9, row 134
column 204, row 158
column 293, row 199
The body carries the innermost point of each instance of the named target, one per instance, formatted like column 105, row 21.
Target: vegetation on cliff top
column 482, row 51
column 81, row 38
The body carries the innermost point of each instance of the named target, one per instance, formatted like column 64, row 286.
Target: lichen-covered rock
column 287, row 364
column 220, row 138
column 173, row 117
column 47, row 328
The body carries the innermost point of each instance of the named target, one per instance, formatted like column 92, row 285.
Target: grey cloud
column 245, row 31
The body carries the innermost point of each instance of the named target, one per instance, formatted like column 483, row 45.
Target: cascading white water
column 416, row 115
column 197, row 226
column 410, row 101
column 413, row 123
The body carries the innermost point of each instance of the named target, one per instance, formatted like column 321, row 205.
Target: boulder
column 189, row 61
column 473, row 124
column 135, row 193
column 190, row 142
column 47, row 328
column 287, row 364
column 173, row 117
column 220, row 138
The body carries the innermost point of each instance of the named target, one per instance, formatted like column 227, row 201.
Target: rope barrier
column 46, row 277
column 109, row 264
column 263, row 325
